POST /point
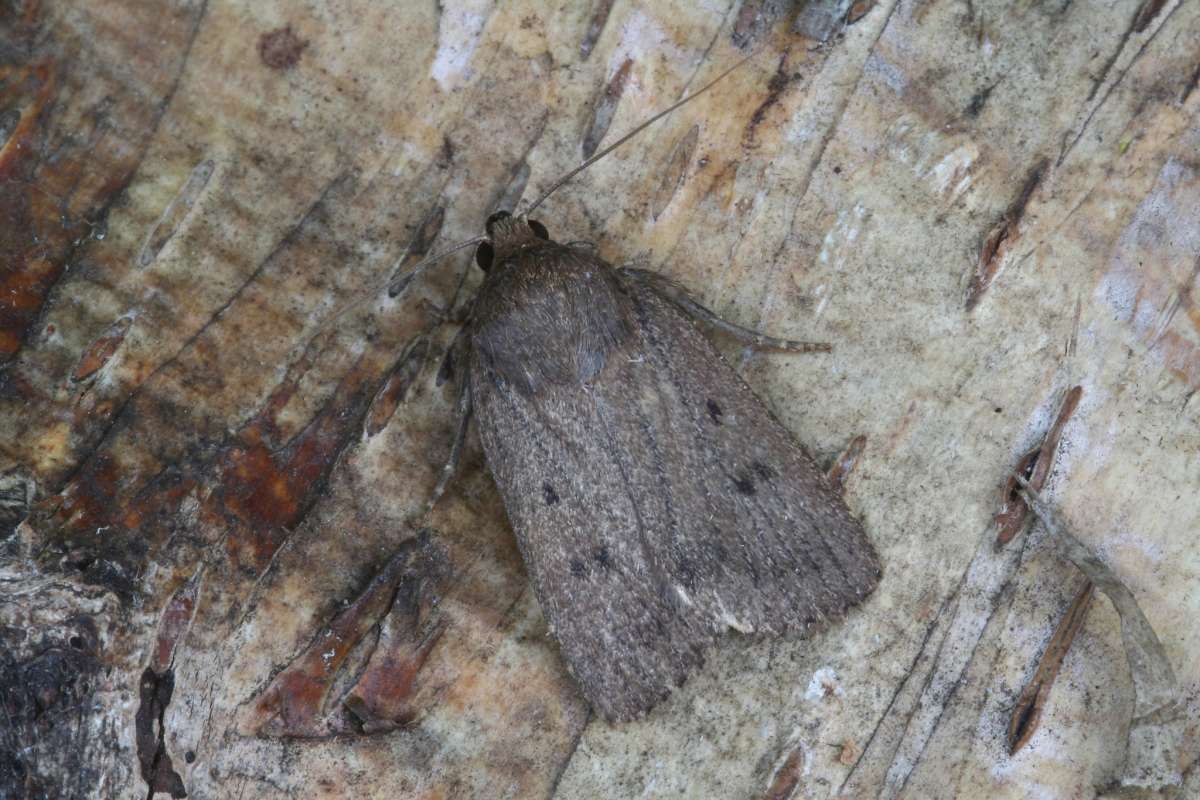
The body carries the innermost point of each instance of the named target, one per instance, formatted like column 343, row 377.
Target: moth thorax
column 512, row 233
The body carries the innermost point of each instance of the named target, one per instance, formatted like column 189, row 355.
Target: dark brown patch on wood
column 1035, row 466
column 858, row 10
column 1028, row 710
column 101, row 350
column 418, row 246
column 395, row 389
column 154, row 693
column 1003, row 235
column 1146, row 14
column 845, row 463
column 788, row 777
column 267, row 488
column 281, row 48
column 675, row 171
column 96, row 528
column 297, row 705
column 605, row 108
column 775, row 88
column 173, row 624
column 389, row 694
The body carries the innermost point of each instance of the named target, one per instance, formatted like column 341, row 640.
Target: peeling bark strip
column 605, row 109
column 385, row 696
column 841, row 468
column 1002, row 237
column 296, row 704
column 595, row 28
column 417, row 248
column 675, row 171
column 174, row 623
column 1146, row 14
column 1152, row 752
column 787, row 778
column 155, row 692
column 1035, row 467
column 395, row 389
column 1028, row 710
column 858, row 10
column 176, row 211
column 775, row 87
column 96, row 356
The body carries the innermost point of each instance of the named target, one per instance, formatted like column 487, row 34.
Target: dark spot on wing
column 714, row 411
column 601, row 556
column 550, row 495
column 578, row 568
column 763, row 471
column 744, row 484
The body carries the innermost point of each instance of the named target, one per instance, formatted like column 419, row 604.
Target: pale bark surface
column 205, row 487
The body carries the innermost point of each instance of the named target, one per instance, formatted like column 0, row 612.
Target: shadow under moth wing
column 655, row 499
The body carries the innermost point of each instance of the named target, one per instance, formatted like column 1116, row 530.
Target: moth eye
column 493, row 219
column 539, row 230
column 483, row 255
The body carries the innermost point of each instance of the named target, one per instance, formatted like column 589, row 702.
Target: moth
column 656, row 501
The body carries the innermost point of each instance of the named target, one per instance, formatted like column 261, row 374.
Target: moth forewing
column 656, row 501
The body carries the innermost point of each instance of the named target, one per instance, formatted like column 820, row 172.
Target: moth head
column 506, row 235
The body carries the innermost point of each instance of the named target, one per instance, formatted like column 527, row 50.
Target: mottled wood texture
column 982, row 204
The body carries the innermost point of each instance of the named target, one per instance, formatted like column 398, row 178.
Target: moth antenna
column 642, row 126
column 397, row 283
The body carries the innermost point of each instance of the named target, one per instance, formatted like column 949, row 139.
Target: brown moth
column 656, row 501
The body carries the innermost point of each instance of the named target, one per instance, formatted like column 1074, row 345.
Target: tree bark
column 217, row 430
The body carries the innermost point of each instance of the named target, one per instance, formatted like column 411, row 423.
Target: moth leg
column 455, row 355
column 462, row 414
column 751, row 338
column 452, row 314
